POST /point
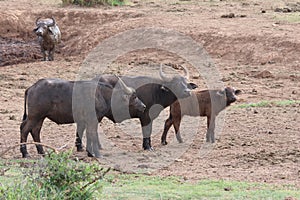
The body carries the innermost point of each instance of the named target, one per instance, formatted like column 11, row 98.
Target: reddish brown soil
column 256, row 53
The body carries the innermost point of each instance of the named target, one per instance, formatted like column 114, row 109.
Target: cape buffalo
column 82, row 102
column 155, row 93
column 202, row 103
column 48, row 36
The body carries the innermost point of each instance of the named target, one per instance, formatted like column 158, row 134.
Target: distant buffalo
column 48, row 36
column 207, row 103
column 81, row 102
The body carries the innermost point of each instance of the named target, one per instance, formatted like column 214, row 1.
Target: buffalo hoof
column 89, row 154
column 24, row 152
column 210, row 140
column 147, row 144
column 179, row 139
column 79, row 148
column 149, row 149
column 25, row 155
column 164, row 142
column 94, row 156
column 40, row 151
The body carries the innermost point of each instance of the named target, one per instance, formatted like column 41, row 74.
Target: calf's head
column 128, row 95
column 230, row 94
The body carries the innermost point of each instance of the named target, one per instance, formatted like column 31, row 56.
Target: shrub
column 57, row 177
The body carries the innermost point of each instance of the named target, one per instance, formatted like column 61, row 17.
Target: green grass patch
column 114, row 186
column 281, row 103
column 293, row 17
column 153, row 187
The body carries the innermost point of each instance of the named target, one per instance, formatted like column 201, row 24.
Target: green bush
column 94, row 2
column 57, row 177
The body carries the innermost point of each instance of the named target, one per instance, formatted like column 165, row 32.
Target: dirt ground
column 256, row 51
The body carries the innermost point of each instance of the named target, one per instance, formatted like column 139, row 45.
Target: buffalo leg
column 36, row 136
column 25, row 128
column 44, row 54
column 176, row 124
column 79, row 134
column 51, row 55
column 92, row 138
column 167, row 126
column 24, row 136
column 147, row 130
column 210, row 135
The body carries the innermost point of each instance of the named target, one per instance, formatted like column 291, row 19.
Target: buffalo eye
column 237, row 92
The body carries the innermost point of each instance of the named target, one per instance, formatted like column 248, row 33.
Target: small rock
column 294, row 92
column 143, row 166
column 284, row 10
column 255, row 111
column 254, row 91
column 230, row 15
column 263, row 11
column 117, row 167
column 195, row 76
column 269, row 132
column 228, row 189
column 264, row 74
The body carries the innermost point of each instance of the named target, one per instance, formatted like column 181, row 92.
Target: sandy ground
column 257, row 51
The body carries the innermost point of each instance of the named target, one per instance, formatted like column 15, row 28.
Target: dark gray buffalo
column 207, row 103
column 81, row 102
column 48, row 36
column 155, row 93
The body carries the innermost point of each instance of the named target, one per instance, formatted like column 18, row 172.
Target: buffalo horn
column 125, row 87
column 162, row 74
column 186, row 72
column 37, row 20
column 53, row 22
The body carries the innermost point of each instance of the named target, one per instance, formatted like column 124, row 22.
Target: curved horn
column 186, row 72
column 53, row 22
column 162, row 74
column 36, row 21
column 127, row 89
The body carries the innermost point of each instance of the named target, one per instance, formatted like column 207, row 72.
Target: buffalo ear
column 34, row 30
column 164, row 88
column 192, row 86
column 237, row 92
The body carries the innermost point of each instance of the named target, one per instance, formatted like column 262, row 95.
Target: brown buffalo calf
column 207, row 103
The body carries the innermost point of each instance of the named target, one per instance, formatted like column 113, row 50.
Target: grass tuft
column 280, row 103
